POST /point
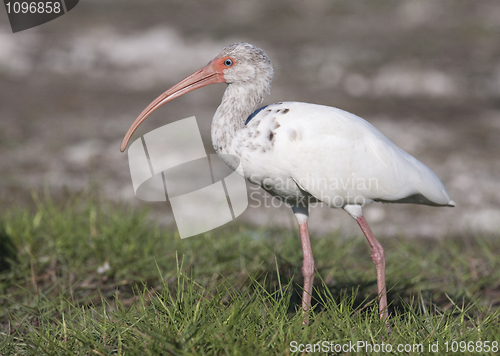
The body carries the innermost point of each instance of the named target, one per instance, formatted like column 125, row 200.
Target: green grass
column 232, row 291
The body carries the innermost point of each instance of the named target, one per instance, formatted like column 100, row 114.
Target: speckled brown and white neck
column 238, row 102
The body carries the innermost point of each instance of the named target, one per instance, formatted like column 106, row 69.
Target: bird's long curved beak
column 205, row 76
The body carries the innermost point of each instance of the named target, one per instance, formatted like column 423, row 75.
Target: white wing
column 333, row 154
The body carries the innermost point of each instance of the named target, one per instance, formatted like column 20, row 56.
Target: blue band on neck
column 252, row 115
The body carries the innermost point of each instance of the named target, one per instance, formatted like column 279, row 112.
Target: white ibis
column 300, row 152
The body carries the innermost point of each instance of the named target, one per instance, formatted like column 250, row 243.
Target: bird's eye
column 228, row 62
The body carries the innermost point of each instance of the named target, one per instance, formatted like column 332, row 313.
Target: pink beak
column 205, row 76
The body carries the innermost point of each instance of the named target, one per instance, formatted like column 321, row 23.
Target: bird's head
column 243, row 63
column 239, row 64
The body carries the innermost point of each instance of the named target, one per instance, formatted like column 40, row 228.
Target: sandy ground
column 426, row 74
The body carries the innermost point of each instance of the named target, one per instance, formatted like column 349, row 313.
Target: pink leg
column 302, row 214
column 307, row 267
column 378, row 258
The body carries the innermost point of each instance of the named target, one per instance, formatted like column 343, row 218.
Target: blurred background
column 425, row 73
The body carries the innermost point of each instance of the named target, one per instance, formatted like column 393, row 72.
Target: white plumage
column 300, row 152
column 335, row 156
